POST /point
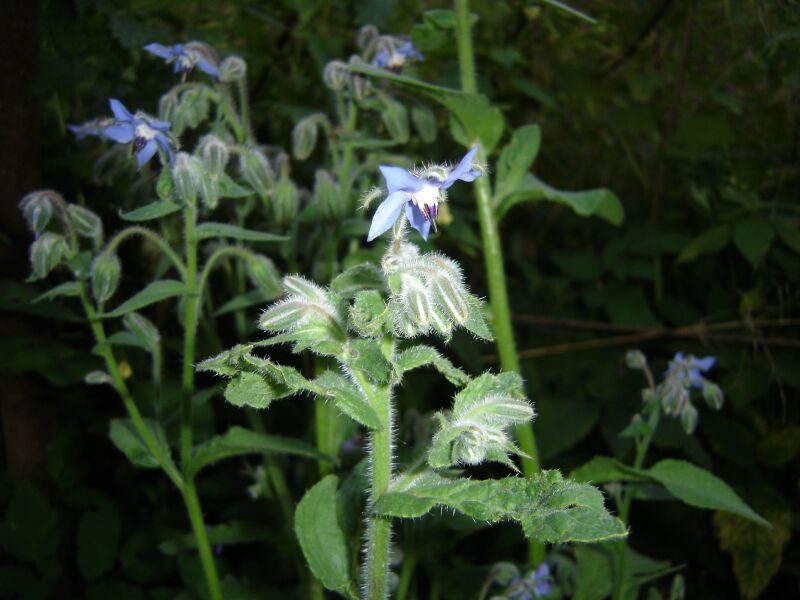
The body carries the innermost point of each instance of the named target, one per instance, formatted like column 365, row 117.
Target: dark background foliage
column 688, row 111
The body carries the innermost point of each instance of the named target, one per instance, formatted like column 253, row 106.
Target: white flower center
column 144, row 132
column 396, row 60
column 429, row 195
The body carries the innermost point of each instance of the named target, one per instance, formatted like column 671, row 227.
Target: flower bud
column 366, row 35
column 98, row 378
column 713, row 395
column 335, row 75
column 262, row 273
column 418, row 304
column 215, row 155
column 361, row 86
column 38, row 208
column 452, row 297
column 257, row 171
column 232, row 69
column 186, row 175
column 326, row 195
column 46, row 253
column 395, row 118
column 367, row 313
column 209, row 191
column 191, row 110
column 167, row 108
column 106, row 270
column 85, row 222
column 635, row 359
column 689, row 417
column 144, row 329
column 285, row 201
column 304, row 137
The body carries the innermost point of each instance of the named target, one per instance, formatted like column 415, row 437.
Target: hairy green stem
column 493, row 253
column 244, row 110
column 122, row 389
column 376, row 549
column 347, row 157
column 192, row 502
column 190, row 320
column 162, row 244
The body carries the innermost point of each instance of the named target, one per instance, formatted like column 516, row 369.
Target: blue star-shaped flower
column 146, row 133
column 394, row 57
column 536, row 585
column 185, row 57
column 688, row 369
column 420, row 193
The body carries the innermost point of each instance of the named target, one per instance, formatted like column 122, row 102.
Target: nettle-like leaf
column 477, row 428
column 310, row 317
column 548, row 507
column 428, row 294
column 422, row 356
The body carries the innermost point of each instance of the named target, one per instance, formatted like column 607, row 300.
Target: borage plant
column 364, row 323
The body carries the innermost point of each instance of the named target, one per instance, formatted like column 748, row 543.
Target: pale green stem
column 347, row 157
column 218, row 254
column 244, row 110
column 162, row 244
column 406, row 573
column 493, row 254
column 376, row 549
column 201, row 536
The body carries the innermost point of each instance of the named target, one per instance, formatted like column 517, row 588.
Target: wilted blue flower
column 420, row 192
column 688, row 369
column 394, row 57
column 185, row 57
column 147, row 133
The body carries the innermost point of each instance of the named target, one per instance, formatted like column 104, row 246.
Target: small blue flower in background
column 147, row 133
column 536, row 585
column 688, row 369
column 394, row 57
column 420, row 193
column 187, row 56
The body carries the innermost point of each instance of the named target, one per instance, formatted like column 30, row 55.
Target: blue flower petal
column 418, row 220
column 207, row 67
column 678, row 356
column 122, row 133
column 398, row 179
column 146, row 153
column 704, row 364
column 463, row 170
column 163, row 142
column 381, row 58
column 159, row 125
column 407, row 49
column 120, row 112
column 543, row 570
column 160, row 50
column 387, row 213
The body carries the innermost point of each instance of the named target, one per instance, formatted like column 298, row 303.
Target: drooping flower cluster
column 420, row 192
column 538, row 582
column 386, row 51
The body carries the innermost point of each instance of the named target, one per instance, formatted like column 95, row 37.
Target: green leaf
column 228, row 188
column 516, row 160
column 479, row 120
column 242, row 301
column 321, row 536
column 697, row 487
column 549, row 508
column 366, row 356
column 238, row 441
column 124, row 436
column 363, row 277
column 788, row 235
column 225, row 230
column 421, row 356
column 68, row 288
column 570, row 11
column 602, row 469
column 599, row 202
column 154, row 210
column 475, row 322
column 98, row 540
column 446, row 19
column 348, row 398
column 250, row 389
column 29, row 531
column 155, row 291
column 757, row 551
column 753, row 238
column 713, row 240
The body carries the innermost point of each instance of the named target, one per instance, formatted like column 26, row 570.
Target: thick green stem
column 201, row 536
column 493, row 253
column 376, row 549
column 190, row 316
column 244, row 110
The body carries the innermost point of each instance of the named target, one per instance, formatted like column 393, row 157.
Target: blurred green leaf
column 155, row 291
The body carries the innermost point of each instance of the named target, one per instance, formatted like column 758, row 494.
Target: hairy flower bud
column 713, row 395
column 46, row 253
column 232, row 69
column 304, row 136
column 38, row 208
column 635, row 359
column 257, row 171
column 327, row 196
column 366, row 35
column 285, row 202
column 167, row 108
column 262, row 273
column 335, row 75
column 186, row 175
column 209, row 191
column 85, row 222
column 214, row 153
column 689, row 418
column 106, row 271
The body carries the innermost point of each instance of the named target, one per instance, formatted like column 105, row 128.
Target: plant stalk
column 493, row 253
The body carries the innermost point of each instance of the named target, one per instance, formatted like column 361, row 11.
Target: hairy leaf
column 421, row 356
column 155, row 291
